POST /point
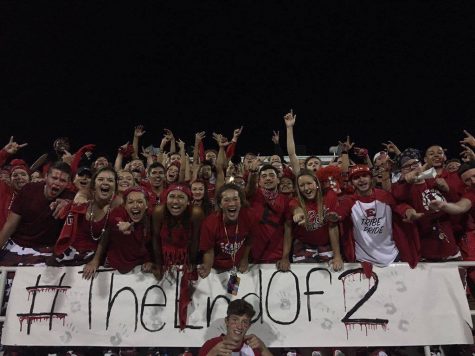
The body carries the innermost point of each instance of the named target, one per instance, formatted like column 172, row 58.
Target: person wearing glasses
column 438, row 242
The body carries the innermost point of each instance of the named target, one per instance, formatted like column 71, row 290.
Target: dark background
column 378, row 71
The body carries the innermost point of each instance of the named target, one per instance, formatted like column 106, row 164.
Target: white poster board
column 309, row 306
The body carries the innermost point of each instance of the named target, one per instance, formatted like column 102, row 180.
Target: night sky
column 378, row 71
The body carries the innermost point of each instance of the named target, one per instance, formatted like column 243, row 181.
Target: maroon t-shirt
column 213, row 236
column 268, row 245
column 126, row 251
column 432, row 224
column 37, row 227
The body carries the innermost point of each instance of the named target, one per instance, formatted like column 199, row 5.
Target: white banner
column 310, row 306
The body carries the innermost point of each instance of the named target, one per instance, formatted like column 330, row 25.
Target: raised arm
column 171, row 139
column 199, row 136
column 119, row 159
column 182, row 174
column 289, row 119
column 138, row 132
column 277, row 149
column 10, row 149
column 221, row 161
column 231, row 149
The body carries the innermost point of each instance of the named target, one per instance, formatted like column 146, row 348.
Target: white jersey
column 373, row 233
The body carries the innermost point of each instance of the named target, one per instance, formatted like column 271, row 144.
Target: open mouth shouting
column 136, row 214
column 231, row 213
column 105, row 191
column 136, row 205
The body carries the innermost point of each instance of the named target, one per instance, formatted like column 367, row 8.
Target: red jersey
column 37, row 227
column 227, row 240
column 127, row 251
column 268, row 245
column 315, row 232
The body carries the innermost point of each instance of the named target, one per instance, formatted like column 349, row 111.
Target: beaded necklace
column 91, row 222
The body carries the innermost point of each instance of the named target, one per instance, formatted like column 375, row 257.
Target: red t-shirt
column 37, row 227
column 208, row 346
column 268, row 245
column 315, row 233
column 126, row 251
column 213, row 236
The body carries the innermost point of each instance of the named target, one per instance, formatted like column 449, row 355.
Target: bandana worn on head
column 181, row 187
column 408, row 154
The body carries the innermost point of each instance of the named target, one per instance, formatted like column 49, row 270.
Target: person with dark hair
column 238, row 320
column 82, row 238
column 176, row 226
column 82, row 182
column 156, row 180
column 226, row 235
column 437, row 237
column 200, row 196
column 207, row 173
column 18, row 175
column 272, row 210
column 176, row 229
column 34, row 222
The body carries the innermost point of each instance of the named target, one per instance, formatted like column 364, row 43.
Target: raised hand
column 199, row 136
column 275, row 137
column 346, row 145
column 391, row 147
column 467, row 154
column 181, row 144
column 139, row 131
column 12, row 147
column 290, row 118
column 168, row 135
column 220, row 139
column 237, row 133
column 468, row 139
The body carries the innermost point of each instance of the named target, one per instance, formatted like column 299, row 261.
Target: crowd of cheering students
column 159, row 209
